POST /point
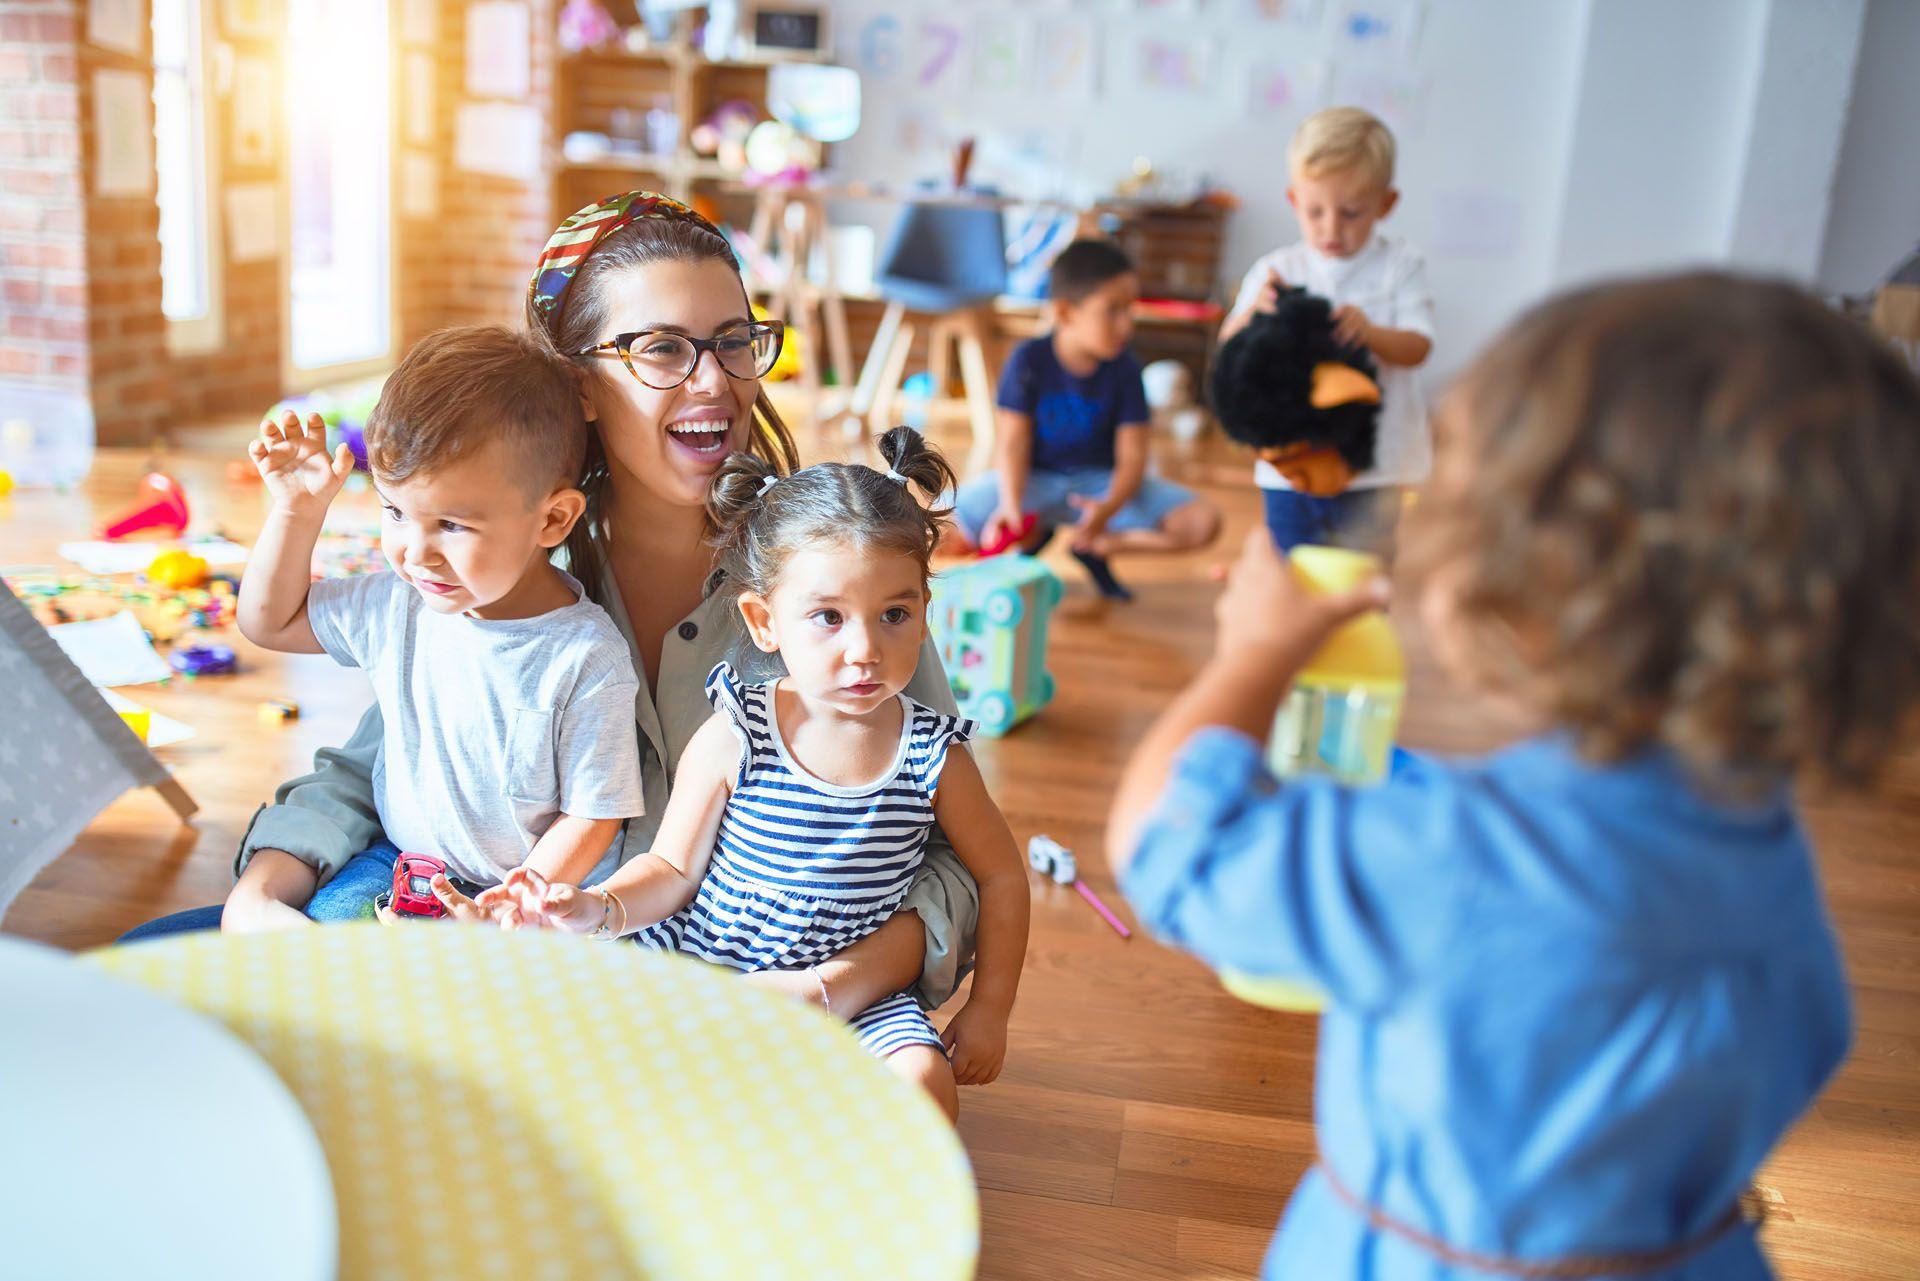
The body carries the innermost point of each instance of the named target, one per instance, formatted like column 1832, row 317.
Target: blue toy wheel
column 1053, row 591
column 1005, row 607
column 1047, row 687
column 995, row 712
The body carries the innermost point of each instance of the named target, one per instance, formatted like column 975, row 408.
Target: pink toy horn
column 161, row 505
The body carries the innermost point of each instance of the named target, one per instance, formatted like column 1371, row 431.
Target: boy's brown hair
column 1685, row 512
column 462, row 388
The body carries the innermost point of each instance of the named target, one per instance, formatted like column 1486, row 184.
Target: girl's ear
column 758, row 616
column 564, row 509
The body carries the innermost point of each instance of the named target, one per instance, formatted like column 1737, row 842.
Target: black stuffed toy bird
column 1301, row 400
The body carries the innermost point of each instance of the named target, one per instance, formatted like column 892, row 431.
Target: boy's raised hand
column 1268, row 615
column 292, row 459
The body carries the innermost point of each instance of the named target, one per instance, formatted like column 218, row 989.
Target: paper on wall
column 499, row 49
column 419, row 185
column 498, row 138
column 416, row 91
column 1386, row 32
column 253, row 223
column 1065, row 59
column 122, row 133
column 1398, row 98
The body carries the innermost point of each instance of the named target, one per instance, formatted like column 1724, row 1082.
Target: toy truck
column 989, row 619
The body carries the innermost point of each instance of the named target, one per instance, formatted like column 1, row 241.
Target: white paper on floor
column 111, row 651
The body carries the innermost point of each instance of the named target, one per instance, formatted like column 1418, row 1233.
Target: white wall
column 1555, row 141
column 1876, row 197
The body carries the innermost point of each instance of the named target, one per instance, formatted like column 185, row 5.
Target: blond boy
column 1340, row 170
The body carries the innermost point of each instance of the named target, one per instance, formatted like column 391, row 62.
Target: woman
column 646, row 296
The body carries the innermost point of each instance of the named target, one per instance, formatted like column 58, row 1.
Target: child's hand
column 1351, row 328
column 1004, row 523
column 570, row 908
column 1268, row 615
column 1268, row 299
column 1089, row 533
column 292, row 460
column 516, row 901
column 976, row 1041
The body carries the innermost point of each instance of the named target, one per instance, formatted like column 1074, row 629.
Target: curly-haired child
column 1578, row 988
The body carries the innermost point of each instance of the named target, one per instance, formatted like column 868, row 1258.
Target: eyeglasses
column 663, row 360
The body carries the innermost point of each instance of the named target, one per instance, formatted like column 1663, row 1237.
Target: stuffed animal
column 1301, row 400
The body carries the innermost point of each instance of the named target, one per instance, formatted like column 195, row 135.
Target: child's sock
column 1102, row 575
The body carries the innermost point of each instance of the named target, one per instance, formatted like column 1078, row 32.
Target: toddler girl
column 800, row 812
column 1578, row 988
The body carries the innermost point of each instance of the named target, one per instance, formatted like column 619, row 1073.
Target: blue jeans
column 1357, row 515
column 348, row 896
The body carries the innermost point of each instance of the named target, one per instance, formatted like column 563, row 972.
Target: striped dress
column 803, row 868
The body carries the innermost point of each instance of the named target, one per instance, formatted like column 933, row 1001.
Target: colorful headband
column 582, row 233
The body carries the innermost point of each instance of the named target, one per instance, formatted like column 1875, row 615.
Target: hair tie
column 896, row 478
column 582, row 233
column 765, row 485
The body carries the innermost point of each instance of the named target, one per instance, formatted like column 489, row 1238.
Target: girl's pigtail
column 738, row 491
column 909, row 455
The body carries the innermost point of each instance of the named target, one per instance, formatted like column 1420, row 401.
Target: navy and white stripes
column 803, row 868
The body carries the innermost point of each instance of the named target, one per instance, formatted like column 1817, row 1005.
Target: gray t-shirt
column 494, row 727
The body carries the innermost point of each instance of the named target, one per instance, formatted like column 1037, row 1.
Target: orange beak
column 1318, row 470
column 1337, row 384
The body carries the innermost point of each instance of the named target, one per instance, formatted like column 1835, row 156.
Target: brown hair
column 461, row 389
column 1083, row 266
column 577, row 326
column 1685, row 512
column 757, row 527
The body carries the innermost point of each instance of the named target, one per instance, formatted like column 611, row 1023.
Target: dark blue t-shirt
column 1074, row 418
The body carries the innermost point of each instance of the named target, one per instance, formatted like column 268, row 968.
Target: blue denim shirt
column 1570, row 1008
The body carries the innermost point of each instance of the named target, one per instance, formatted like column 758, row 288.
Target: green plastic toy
column 990, row 621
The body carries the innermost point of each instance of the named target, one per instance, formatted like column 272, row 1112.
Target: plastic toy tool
column 162, row 505
column 1052, row 859
column 1339, row 719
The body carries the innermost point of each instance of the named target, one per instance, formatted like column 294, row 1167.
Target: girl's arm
column 978, row 1034
column 292, row 460
column 655, row 885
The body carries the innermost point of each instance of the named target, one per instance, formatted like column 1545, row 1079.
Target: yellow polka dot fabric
column 529, row 1105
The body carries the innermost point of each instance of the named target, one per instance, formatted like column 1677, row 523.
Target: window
column 189, row 290
column 340, row 285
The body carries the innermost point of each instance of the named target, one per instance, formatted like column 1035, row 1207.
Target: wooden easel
column 796, row 216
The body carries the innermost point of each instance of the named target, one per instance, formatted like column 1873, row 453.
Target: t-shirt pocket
column 532, row 777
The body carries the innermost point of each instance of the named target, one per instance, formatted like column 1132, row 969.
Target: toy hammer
column 1050, row 858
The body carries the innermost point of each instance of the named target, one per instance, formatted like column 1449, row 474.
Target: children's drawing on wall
column 1383, row 31
column 1397, row 97
column 1170, row 8
column 1064, row 57
column 879, row 45
column 1276, row 88
column 1175, row 66
column 939, row 55
column 1301, row 13
column 1000, row 44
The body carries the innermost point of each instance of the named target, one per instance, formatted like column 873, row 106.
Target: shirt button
column 689, row 630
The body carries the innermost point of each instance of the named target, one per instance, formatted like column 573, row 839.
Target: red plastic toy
column 161, row 505
column 1010, row 538
column 412, row 885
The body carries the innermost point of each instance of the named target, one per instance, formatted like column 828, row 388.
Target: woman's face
column 671, row 442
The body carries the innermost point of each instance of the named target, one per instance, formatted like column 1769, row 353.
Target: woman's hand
column 292, row 459
column 976, row 1041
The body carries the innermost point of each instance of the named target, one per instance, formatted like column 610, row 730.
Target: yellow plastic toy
column 788, row 364
column 1339, row 720
column 177, row 570
column 6, row 483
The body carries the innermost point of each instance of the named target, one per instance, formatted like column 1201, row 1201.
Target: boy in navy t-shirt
column 1072, row 447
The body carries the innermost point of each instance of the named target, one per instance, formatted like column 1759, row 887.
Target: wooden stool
column 968, row 330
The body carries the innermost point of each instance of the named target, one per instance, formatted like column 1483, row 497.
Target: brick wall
column 43, row 277
column 80, row 292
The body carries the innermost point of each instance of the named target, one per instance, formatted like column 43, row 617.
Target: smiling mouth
column 705, row 436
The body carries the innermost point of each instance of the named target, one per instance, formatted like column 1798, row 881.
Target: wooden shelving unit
column 592, row 85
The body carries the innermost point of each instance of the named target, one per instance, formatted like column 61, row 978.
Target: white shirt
column 1388, row 281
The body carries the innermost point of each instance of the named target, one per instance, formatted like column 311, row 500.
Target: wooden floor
column 1147, row 1124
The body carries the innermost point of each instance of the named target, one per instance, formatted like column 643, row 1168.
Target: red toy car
column 412, row 885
